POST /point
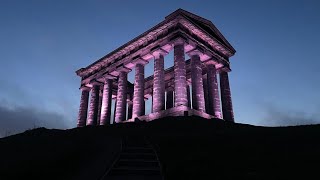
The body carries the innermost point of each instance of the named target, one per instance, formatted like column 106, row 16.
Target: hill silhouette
column 187, row 147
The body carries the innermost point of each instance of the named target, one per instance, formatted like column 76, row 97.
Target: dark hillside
column 188, row 148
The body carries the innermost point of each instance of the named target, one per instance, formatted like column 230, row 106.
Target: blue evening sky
column 275, row 72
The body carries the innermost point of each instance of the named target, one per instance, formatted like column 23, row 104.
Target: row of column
column 205, row 91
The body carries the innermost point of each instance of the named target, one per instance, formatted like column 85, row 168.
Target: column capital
column 84, row 88
column 188, row 81
column 123, row 69
column 178, row 40
column 139, row 60
column 210, row 61
column 224, row 69
column 170, row 88
column 147, row 96
column 158, row 51
column 196, row 51
column 129, row 98
column 107, row 77
column 95, row 83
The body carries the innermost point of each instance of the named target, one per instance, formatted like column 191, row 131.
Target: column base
column 175, row 111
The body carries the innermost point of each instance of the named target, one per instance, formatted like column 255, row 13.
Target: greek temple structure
column 197, row 86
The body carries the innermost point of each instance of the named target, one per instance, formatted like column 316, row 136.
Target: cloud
column 16, row 119
column 21, row 109
column 276, row 116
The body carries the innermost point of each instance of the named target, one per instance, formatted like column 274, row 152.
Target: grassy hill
column 188, row 148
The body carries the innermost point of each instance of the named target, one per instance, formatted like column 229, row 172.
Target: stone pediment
column 205, row 25
column 198, row 30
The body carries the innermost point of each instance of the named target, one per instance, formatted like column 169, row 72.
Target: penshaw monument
column 197, row 86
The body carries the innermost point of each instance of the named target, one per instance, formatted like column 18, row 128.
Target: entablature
column 158, row 36
column 146, row 54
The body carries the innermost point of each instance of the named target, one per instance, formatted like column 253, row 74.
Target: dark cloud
column 18, row 119
column 276, row 116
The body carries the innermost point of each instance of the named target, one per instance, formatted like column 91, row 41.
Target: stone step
column 137, row 164
column 135, row 171
column 137, row 147
column 135, row 142
column 138, row 150
column 147, row 156
column 134, row 177
column 136, row 161
column 139, row 160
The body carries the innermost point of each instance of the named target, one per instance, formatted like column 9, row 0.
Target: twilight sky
column 276, row 70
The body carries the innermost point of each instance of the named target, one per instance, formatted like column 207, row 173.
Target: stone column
column 106, row 102
column 121, row 96
column 138, row 94
column 130, row 108
column 198, row 102
column 144, row 107
column 226, row 97
column 158, row 97
column 114, row 111
column 94, row 103
column 188, row 95
column 205, row 92
column 180, row 83
column 169, row 102
column 151, row 103
column 83, row 110
column 99, row 107
column 213, row 90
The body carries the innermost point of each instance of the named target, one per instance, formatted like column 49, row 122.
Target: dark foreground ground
column 188, row 148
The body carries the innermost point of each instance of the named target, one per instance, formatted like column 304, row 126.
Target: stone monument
column 189, row 87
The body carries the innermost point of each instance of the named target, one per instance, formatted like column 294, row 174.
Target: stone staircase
column 137, row 160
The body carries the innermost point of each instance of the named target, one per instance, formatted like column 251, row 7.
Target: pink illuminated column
column 106, row 102
column 188, row 95
column 99, row 107
column 169, row 102
column 121, row 97
column 226, row 97
column 130, row 108
column 138, row 94
column 180, row 83
column 94, row 103
column 144, row 107
column 158, row 98
column 213, row 90
column 205, row 92
column 198, row 101
column 151, row 102
column 114, row 111
column 82, row 116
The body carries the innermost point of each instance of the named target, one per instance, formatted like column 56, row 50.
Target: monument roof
column 204, row 24
column 199, row 26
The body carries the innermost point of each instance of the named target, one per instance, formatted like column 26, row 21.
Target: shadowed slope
column 188, row 148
